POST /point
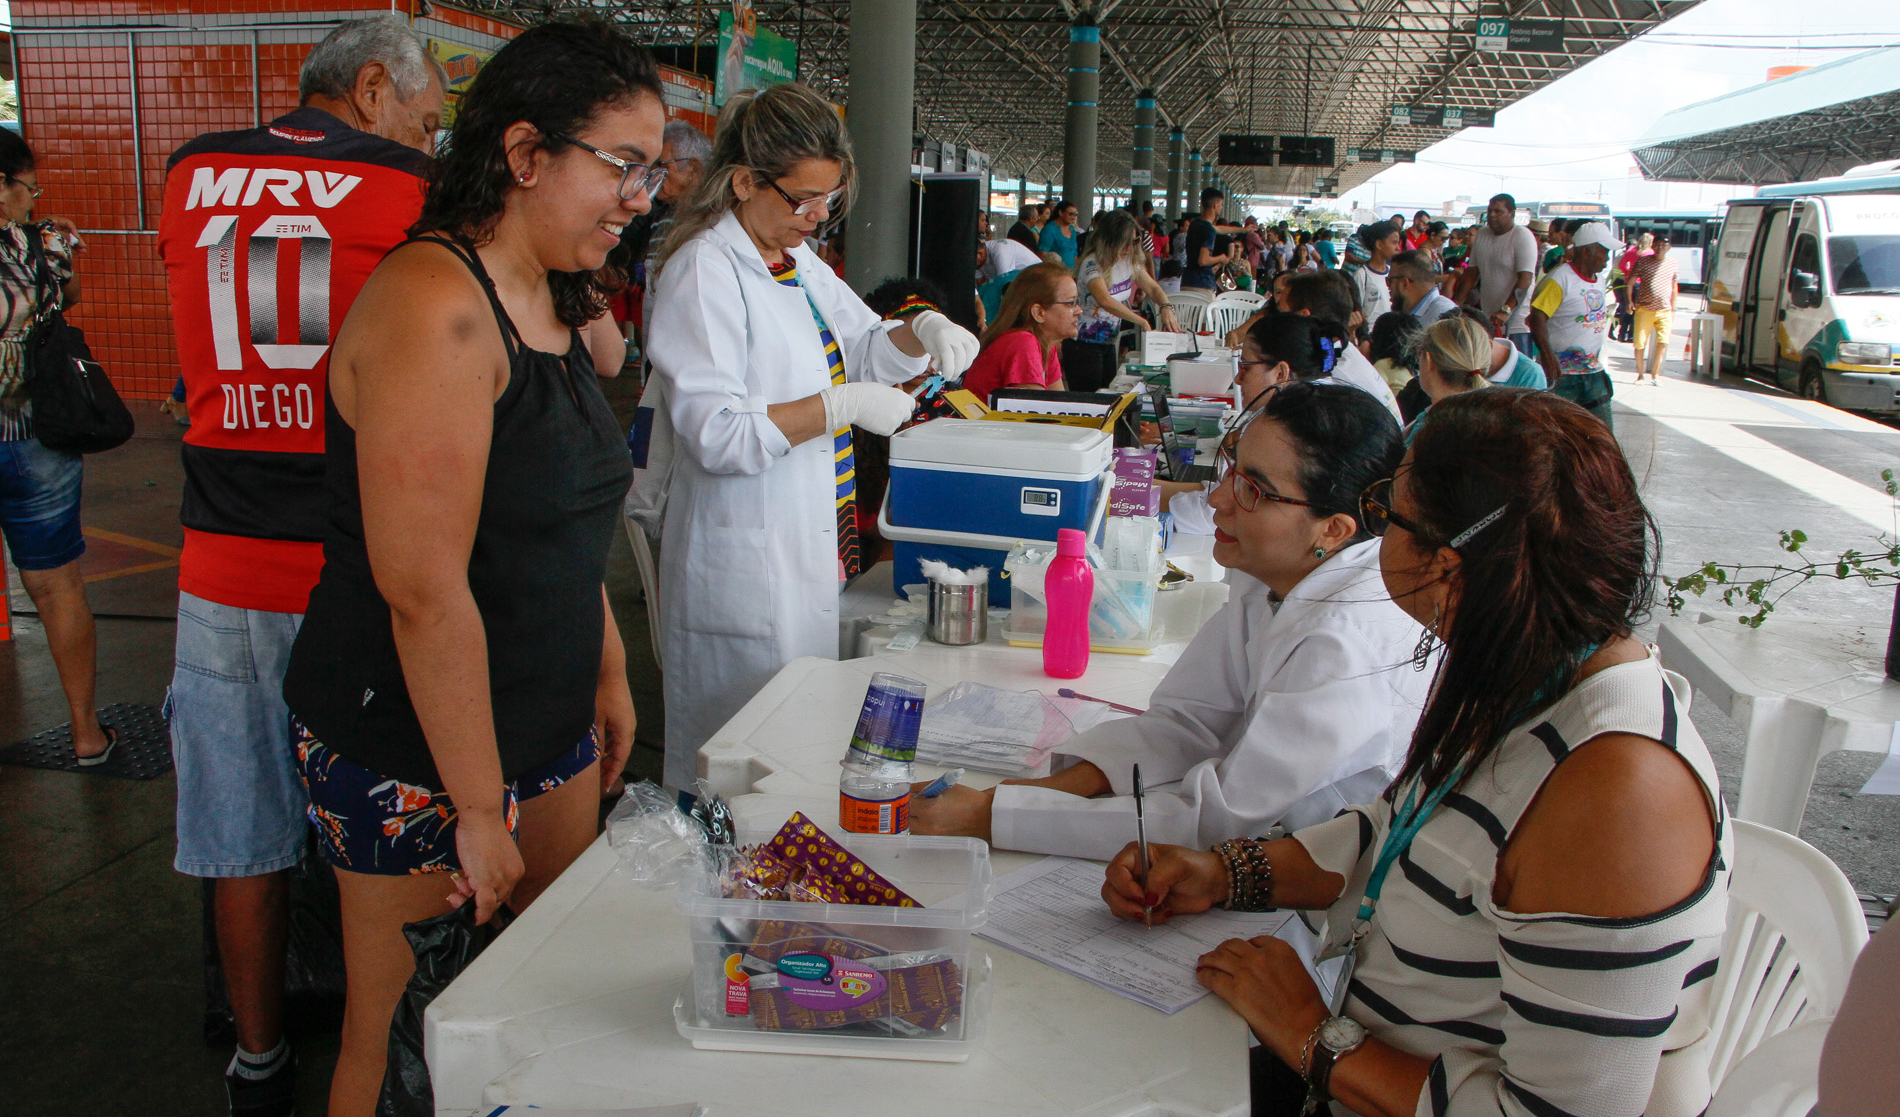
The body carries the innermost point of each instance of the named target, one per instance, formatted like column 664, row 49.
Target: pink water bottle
column 1069, row 587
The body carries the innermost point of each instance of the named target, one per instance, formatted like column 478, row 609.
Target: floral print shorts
column 369, row 823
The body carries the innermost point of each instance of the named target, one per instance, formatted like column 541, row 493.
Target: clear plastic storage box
column 846, row 979
column 1129, row 615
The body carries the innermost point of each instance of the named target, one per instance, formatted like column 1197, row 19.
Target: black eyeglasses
column 1376, row 512
column 635, row 178
column 805, row 206
column 32, row 189
column 1247, row 493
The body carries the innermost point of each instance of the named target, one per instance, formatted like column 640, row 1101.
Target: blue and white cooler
column 964, row 491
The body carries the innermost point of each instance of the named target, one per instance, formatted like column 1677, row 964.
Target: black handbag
column 75, row 407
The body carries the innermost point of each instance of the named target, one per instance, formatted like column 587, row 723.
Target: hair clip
column 1331, row 349
column 1466, row 535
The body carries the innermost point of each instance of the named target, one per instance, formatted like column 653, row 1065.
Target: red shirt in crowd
column 1013, row 359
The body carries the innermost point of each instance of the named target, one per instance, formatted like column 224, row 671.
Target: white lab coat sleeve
column 1195, row 709
column 869, row 353
column 1317, row 720
column 699, row 345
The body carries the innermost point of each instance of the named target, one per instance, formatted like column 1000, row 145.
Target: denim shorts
column 369, row 823
column 242, row 810
column 1591, row 391
column 39, row 504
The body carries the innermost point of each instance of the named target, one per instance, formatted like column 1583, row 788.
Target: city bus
column 1589, row 211
column 1691, row 232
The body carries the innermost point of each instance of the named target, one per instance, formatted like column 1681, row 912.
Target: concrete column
column 1142, row 161
column 1194, row 183
column 1177, row 146
column 882, row 96
column 1078, row 146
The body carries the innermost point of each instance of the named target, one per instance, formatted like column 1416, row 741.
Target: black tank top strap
column 510, row 337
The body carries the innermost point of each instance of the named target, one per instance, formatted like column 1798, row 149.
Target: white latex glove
column 878, row 408
column 952, row 347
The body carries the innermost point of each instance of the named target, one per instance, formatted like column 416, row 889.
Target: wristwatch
column 1334, row 1039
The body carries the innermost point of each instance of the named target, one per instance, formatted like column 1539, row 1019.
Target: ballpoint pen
column 942, row 783
column 1141, row 839
column 1066, row 692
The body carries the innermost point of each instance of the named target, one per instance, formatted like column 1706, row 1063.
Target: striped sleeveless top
column 1550, row 1015
column 850, row 561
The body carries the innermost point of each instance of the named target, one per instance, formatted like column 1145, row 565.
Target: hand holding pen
column 1141, row 840
column 1180, row 881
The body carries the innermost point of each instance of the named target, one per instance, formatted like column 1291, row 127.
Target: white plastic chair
column 1794, row 930
column 1777, row 1079
column 1252, row 300
column 649, row 579
column 1229, row 309
column 1190, row 309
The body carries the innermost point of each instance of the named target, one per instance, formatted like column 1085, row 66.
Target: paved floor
column 101, row 994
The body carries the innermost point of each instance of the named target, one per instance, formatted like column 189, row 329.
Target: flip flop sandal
column 112, row 742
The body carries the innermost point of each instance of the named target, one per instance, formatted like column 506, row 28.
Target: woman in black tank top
column 458, row 658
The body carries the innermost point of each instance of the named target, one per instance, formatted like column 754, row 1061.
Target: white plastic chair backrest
column 1780, row 1078
column 1223, row 318
column 649, row 579
column 1794, row 930
column 1191, row 313
column 1252, row 300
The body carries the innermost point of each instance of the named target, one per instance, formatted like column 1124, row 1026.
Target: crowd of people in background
column 413, row 580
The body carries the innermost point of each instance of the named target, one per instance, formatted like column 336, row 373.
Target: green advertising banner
column 751, row 61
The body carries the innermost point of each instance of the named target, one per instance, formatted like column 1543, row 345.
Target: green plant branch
column 1764, row 585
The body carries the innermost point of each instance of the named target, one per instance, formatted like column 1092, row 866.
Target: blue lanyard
column 1407, row 821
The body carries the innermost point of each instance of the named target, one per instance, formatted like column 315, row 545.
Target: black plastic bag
column 313, row 959
column 444, row 946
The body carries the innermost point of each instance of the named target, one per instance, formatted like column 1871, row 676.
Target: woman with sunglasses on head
column 1294, row 700
column 1279, row 349
column 458, row 687
column 764, row 360
column 1535, row 904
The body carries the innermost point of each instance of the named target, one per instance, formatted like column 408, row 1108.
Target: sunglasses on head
column 1377, row 513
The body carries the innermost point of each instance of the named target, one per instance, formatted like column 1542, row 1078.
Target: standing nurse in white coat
column 764, row 360
column 1294, row 701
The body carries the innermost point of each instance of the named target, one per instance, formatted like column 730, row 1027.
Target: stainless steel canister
column 959, row 614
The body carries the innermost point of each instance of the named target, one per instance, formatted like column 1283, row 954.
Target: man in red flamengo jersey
column 267, row 235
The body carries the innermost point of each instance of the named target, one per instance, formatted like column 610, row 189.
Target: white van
column 1808, row 288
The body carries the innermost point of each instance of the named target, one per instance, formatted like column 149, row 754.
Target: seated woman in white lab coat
column 763, row 361
column 1295, row 700
column 1277, row 348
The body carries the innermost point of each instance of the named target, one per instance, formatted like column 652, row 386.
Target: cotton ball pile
column 943, row 574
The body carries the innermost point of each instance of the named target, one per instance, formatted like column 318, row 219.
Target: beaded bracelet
column 1249, row 875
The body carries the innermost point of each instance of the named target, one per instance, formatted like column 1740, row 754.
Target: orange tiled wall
column 77, row 114
column 78, row 118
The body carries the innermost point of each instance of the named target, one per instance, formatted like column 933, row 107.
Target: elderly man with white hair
column 321, row 193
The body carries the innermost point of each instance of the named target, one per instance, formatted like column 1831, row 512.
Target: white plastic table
column 573, row 1006
column 1798, row 689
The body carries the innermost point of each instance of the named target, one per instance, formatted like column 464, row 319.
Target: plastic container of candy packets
column 855, row 979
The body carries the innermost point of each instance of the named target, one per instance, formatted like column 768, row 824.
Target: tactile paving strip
column 144, row 750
